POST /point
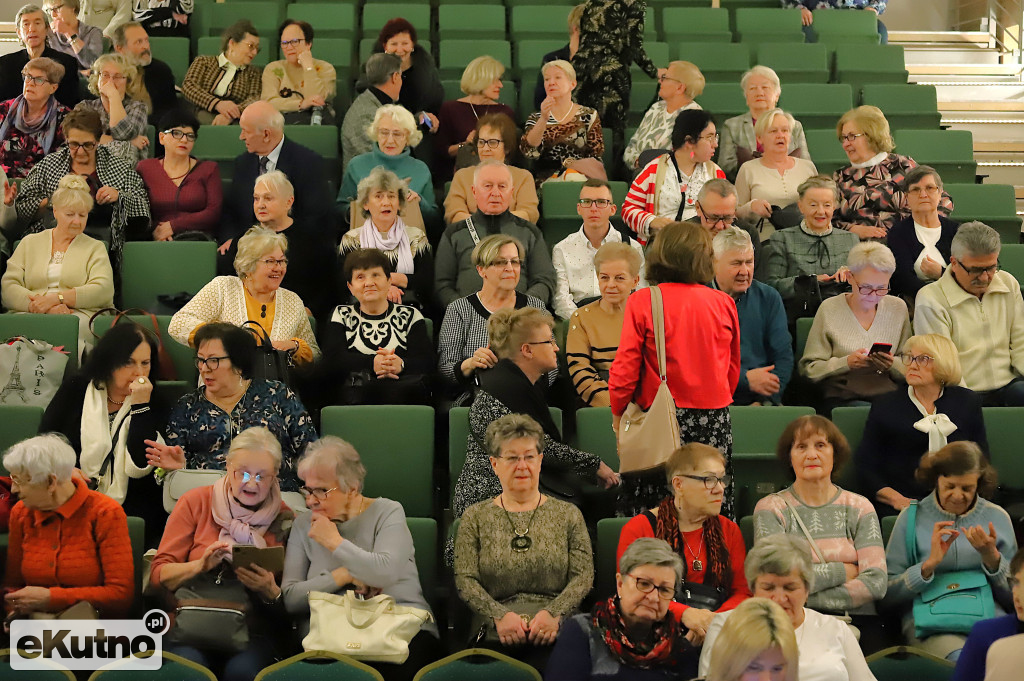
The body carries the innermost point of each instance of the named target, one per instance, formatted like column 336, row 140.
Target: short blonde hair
column 480, row 73
column 133, row 87
column 566, row 67
column 73, row 193
column 338, row 456
column 487, row 250
column 872, row 123
column 507, row 330
column 755, row 626
column 871, row 254
column 765, row 121
column 618, row 250
column 256, row 439
column 689, row 75
column 764, row 72
column 401, row 117
column 575, row 15
column 277, row 182
column 688, row 458
column 379, row 179
column 945, row 357
column 255, row 244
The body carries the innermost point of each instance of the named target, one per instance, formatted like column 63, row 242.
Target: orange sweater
column 80, row 551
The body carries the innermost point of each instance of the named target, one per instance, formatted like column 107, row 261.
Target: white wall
column 915, row 15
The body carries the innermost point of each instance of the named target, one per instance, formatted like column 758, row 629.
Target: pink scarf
column 241, row 525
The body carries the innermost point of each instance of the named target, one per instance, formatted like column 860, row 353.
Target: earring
column 691, row 154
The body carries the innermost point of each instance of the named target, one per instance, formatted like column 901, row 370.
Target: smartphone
column 270, row 559
column 880, row 347
column 425, row 120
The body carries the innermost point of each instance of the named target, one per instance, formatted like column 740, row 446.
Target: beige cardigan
column 460, row 204
column 86, row 270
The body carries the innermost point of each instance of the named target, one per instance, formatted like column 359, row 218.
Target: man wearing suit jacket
column 262, row 130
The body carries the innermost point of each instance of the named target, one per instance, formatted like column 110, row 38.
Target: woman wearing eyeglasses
column 906, row 423
column 299, row 85
column 243, row 508
column 873, row 197
column 351, row 542
column 30, row 124
column 850, row 347
column 710, row 545
column 185, row 194
column 123, row 105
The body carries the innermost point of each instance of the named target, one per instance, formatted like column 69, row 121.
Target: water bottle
column 318, row 115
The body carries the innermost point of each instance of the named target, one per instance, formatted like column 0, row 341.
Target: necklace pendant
column 521, row 543
column 697, row 565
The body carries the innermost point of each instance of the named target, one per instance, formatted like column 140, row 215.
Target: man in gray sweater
column 384, row 74
column 454, row 273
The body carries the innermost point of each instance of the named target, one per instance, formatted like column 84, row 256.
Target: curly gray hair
column 380, row 179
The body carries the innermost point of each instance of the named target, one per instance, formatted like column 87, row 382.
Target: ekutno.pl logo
column 89, row 644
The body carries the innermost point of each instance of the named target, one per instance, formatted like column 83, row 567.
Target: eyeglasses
column 851, row 136
column 292, row 43
column 393, row 134
column 663, row 77
column 490, row 144
column 550, row 341
column 715, row 220
column 116, row 77
column 75, row 146
column 255, row 47
column 710, row 481
column 505, row 262
column 600, row 203
column 920, row 360
column 211, row 363
column 320, row 494
column 53, row 9
column 867, row 289
column 978, row 271
column 181, row 134
column 930, row 190
column 528, row 459
column 35, row 80
column 245, row 477
column 714, row 137
column 270, row 262
column 646, row 586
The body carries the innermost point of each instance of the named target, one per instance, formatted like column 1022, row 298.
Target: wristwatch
column 73, row 37
column 60, row 297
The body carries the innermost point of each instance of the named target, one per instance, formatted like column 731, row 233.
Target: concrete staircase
column 979, row 88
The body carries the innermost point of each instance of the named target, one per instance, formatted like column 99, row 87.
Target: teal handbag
column 954, row 601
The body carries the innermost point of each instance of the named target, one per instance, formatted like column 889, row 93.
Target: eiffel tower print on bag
column 31, row 371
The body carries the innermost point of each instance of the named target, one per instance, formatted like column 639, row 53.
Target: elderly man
column 573, row 257
column 30, row 23
column 453, row 265
column 980, row 309
column 132, row 41
column 71, row 36
column 384, row 74
column 221, row 87
column 716, row 210
column 766, row 348
column 677, row 87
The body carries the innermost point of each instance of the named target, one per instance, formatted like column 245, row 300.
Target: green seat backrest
column 747, row 529
column 210, row 45
column 323, row 139
column 319, row 666
column 981, row 201
column 469, row 21
column 172, row 668
column 174, row 51
column 659, row 54
column 1011, row 259
column 903, row 662
column 181, row 355
column 878, row 58
column 56, row 329
column 755, row 432
column 725, row 62
column 530, row 53
column 474, row 664
column 338, row 21
column 152, row 268
column 605, row 562
column 836, row 25
column 850, row 421
column 17, row 422
column 905, row 106
column 1002, row 429
column 817, row 105
column 594, row 434
column 795, row 63
column 698, row 23
column 424, row 540
column 951, row 152
column 398, row 454
column 376, row 14
column 642, row 95
column 137, row 536
column 803, row 329
column 56, row 673
column 826, row 150
column 724, row 100
column 538, row 21
column 888, row 523
column 558, row 199
column 337, row 51
column 456, row 54
column 768, row 25
column 210, row 19
column 218, row 143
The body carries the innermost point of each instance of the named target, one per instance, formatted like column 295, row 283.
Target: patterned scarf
column 396, row 239
column 241, row 525
column 667, row 643
column 719, row 568
column 44, row 131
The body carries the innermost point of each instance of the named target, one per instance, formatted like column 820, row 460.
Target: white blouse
column 929, row 237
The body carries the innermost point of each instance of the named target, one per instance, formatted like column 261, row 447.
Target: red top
column 194, row 206
column 640, row 526
column 80, row 551
column 702, row 348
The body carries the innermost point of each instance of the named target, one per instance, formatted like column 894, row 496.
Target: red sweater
column 80, row 551
column 702, row 348
column 195, row 205
column 639, row 526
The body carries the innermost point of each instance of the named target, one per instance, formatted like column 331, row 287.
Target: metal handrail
column 1004, row 33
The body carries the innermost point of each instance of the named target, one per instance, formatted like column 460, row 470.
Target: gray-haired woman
column 254, row 294
column 851, row 343
column 30, row 124
column 380, row 197
column 351, row 541
column 779, row 569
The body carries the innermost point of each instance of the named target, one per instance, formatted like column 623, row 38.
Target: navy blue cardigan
column 904, row 245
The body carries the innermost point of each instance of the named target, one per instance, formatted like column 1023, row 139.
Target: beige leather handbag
column 373, row 630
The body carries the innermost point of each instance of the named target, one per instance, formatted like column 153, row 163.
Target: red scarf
column 667, row 643
column 718, row 567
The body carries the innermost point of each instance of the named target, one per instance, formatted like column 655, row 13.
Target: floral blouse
column 580, row 137
column 204, row 430
column 20, row 151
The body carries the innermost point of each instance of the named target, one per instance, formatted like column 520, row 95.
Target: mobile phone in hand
column 880, row 347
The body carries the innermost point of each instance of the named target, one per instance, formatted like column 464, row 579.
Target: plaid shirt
column 128, row 128
column 203, row 76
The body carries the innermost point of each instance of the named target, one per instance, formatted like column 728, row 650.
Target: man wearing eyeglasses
column 980, row 309
column 716, row 210
column 132, row 42
column 32, row 29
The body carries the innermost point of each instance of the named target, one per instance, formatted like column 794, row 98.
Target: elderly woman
column 905, row 424
column 300, row 86
column 67, row 543
column 921, row 242
column 376, row 351
column 667, row 188
column 779, row 568
column 243, row 508
column 185, row 194
column 811, row 250
column 216, row 104
column 771, row 180
column 522, row 558
column 353, row 542
column 849, row 559
column 850, row 347
column 871, row 187
column 677, row 87
column 563, row 140
column 252, row 295
column 950, row 534
column 992, row 649
column 702, row 348
column 761, row 88
column 757, row 642
column 495, row 139
column 422, row 92
column 632, row 635
column 596, row 328
column 107, row 412
column 120, row 201
column 70, row 35
column 523, row 346
column 61, row 270
column 123, row 105
column 30, row 124
column 463, row 343
column 459, row 118
column 711, row 547
column 204, row 423
column 381, row 198
column 395, row 131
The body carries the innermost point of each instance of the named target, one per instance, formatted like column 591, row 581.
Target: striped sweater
column 590, row 348
column 656, row 192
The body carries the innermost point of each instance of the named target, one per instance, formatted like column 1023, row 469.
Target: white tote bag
column 30, row 371
column 372, row 630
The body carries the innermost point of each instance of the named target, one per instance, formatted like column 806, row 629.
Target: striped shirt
column 590, row 348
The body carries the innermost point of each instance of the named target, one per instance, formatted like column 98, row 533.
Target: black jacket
column 12, row 84
column 159, row 82
column 905, row 247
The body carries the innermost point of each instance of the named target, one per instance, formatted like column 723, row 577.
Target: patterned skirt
column 645, row 490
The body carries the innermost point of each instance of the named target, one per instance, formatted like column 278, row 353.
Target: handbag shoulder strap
column 803, row 528
column 912, row 533
column 658, row 321
column 262, row 337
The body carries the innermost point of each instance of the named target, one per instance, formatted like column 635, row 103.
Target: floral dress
column 19, row 151
column 579, row 137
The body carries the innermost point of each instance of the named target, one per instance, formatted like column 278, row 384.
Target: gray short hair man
column 492, row 187
column 384, row 78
